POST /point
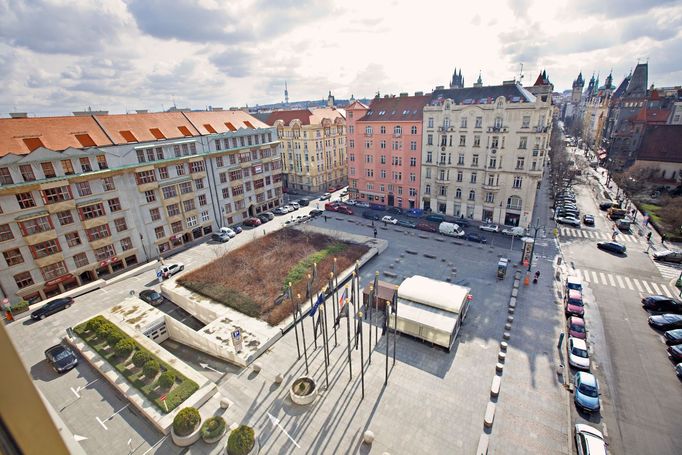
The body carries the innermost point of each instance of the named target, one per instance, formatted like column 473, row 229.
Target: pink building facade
column 385, row 149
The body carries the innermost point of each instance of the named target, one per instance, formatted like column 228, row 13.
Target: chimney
column 18, row 114
column 440, row 87
column 418, row 93
column 404, row 94
column 141, row 111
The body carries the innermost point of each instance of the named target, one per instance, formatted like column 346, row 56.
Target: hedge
column 124, row 347
column 150, row 369
column 140, row 358
column 20, row 307
column 183, row 389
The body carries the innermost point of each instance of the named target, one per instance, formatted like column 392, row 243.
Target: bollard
column 526, row 280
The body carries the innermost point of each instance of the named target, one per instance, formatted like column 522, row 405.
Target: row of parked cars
column 667, row 317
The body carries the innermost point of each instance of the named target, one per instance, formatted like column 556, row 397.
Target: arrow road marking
column 207, row 367
column 79, row 438
column 275, row 421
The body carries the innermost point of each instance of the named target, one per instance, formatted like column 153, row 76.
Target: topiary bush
column 186, row 421
column 124, row 348
column 140, row 358
column 114, row 337
column 103, row 331
column 150, row 369
column 213, row 427
column 167, row 379
column 241, row 441
column 94, row 324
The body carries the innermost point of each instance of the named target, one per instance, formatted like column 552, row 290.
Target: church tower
column 578, row 86
column 457, row 79
column 286, row 94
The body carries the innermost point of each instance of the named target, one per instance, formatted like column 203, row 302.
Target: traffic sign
column 237, row 340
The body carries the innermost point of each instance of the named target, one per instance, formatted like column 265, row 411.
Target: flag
column 343, row 310
column 343, row 297
column 318, row 302
column 317, row 324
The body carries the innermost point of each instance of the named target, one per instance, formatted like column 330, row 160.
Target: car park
column 252, row 222
column 221, row 237
column 588, row 220
column 576, row 327
column 61, row 358
column 344, row 209
column 675, row 352
column 668, row 256
column 613, row 247
column 589, row 440
column 169, row 270
column 389, row 219
column 574, row 303
column 426, row 226
column 52, row 307
column 586, row 395
column 662, row 303
column 572, row 221
column 489, row 227
column 407, row 223
column 228, row 231
column 325, row 197
column 151, row 297
column 673, row 337
column 578, row 357
column 666, row 321
column 474, row 237
column 394, row 210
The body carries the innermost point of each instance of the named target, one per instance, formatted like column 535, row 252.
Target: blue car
column 586, row 396
column 415, row 213
column 407, row 223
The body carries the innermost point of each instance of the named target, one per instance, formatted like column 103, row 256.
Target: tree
column 166, row 379
column 150, row 369
column 564, row 170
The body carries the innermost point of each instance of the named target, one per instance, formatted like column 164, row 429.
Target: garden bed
column 251, row 278
column 180, row 388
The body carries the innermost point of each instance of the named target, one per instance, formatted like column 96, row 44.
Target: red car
column 332, row 206
column 574, row 303
column 428, row 227
column 331, row 189
column 576, row 327
column 344, row 209
column 252, row 222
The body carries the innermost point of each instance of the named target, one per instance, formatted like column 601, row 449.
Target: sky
column 57, row 56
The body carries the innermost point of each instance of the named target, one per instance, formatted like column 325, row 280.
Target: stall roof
column 434, row 293
column 435, row 318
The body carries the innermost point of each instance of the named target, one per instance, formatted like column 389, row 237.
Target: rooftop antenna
column 173, row 98
column 521, row 73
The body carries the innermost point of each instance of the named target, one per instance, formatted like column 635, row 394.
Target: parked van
column 574, row 283
column 451, row 229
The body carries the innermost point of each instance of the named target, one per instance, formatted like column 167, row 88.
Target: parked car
column 616, row 214
column 668, row 256
column 407, row 223
column 589, row 440
column 394, row 210
column 666, row 321
column 662, row 303
column 425, row 226
column 675, row 352
column 263, row 218
column 380, row 207
column 221, row 237
column 325, row 197
column 303, row 202
column 295, row 205
column 316, row 212
column 613, row 247
column 52, row 307
column 588, row 220
column 332, row 206
column 435, row 217
column 168, row 270
column 331, row 189
column 586, row 396
column 514, row 231
column 287, row 208
column 362, row 204
column 344, row 209
column 61, row 358
column 237, row 229
column 673, row 337
column 574, row 303
column 228, row 231
column 605, row 205
column 573, row 282
column 576, row 327
column 151, row 297
column 253, row 222
column 473, row 237
column 370, row 215
column 570, row 220
column 578, row 357
column 351, row 202
column 678, row 370
column 489, row 227
column 389, row 219
column 270, row 215
column 450, row 229
column 414, row 213
column 280, row 211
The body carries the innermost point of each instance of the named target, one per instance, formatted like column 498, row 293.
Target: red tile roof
column 396, row 109
column 127, row 128
column 306, row 116
column 661, row 143
column 652, row 116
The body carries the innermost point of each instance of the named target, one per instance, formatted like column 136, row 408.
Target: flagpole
column 376, row 306
column 293, row 305
column 388, row 333
column 305, row 347
column 353, row 299
column 395, row 322
column 350, row 364
column 312, row 320
column 335, row 310
column 369, row 329
column 362, row 357
column 323, row 315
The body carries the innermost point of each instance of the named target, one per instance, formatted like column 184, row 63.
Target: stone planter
column 254, row 450
column 185, row 441
column 303, row 391
column 216, row 438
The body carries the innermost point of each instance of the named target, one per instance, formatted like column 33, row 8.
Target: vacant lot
column 251, row 278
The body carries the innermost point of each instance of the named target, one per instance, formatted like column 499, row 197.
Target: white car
column 169, row 270
column 288, row 208
column 589, row 440
column 350, row 202
column 514, row 232
column 362, row 204
column 228, row 231
column 389, row 219
column 294, row 205
column 578, row 356
column 490, row 227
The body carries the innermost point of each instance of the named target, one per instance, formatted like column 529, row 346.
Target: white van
column 451, row 229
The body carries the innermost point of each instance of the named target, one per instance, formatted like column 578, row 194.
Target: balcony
column 498, row 129
column 50, row 259
column 491, row 187
column 442, row 181
column 61, row 206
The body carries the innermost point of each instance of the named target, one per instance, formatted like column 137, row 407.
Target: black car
column 303, row 202
column 662, row 303
column 436, row 218
column 52, row 307
column 675, row 352
column 370, row 215
column 61, row 358
column 263, row 218
column 588, row 220
column 316, row 212
column 152, row 297
column 613, row 247
column 473, row 237
column 221, row 237
column 407, row 223
column 394, row 210
column 666, row 321
column 607, row 205
column 668, row 256
column 673, row 337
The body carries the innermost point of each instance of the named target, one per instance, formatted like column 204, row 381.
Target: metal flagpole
column 293, row 304
column 369, row 329
column 350, row 364
column 305, row 347
column 376, row 306
column 323, row 314
column 312, row 320
column 388, row 332
column 336, row 298
column 395, row 322
column 353, row 298
column 362, row 357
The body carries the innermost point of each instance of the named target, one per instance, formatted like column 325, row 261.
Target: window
column 72, row 239
column 185, row 187
column 498, row 122
column 382, row 173
column 428, row 173
column 382, row 129
column 430, row 122
column 413, row 129
column 413, row 161
column 520, row 161
column 204, row 216
column 102, row 162
column 188, row 205
column 48, row 170
column 114, row 205
column 479, row 122
column 27, row 172
column 477, row 141
column 23, row 280
column 368, row 130
column 25, row 200
column 108, row 184
column 199, row 183
column 59, row 194
column 43, row 249
column 141, row 158
column 98, row 232
column 397, row 130
column 13, row 257
column 460, row 176
column 458, row 193
column 120, row 224
column 90, row 212
column 429, row 139
column 514, row 202
column 443, row 190
column 150, row 195
column 36, row 225
column 460, row 159
column 462, row 140
column 196, row 166
column 518, row 181
column 413, row 177
column 492, row 163
column 427, row 189
column 163, row 173
column 413, row 191
column 159, row 232
column 526, row 121
column 472, row 195
column 495, row 142
column 5, row 176
column 126, row 244
column 5, row 233
column 463, row 122
column 80, row 259
column 85, row 164
column 474, row 160
column 180, row 169
column 523, row 141
column 104, row 253
column 83, row 189
column 155, row 214
column 473, row 177
column 192, row 220
column 145, row 177
column 176, row 227
column 489, row 197
column 173, row 210
column 65, row 217
column 169, row 192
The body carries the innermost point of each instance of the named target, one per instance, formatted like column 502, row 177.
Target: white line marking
column 620, row 282
column 648, row 289
column 656, row 290
column 603, row 278
column 101, row 423
column 666, row 291
column 75, row 392
column 639, row 288
column 627, row 281
column 586, row 278
column 613, row 283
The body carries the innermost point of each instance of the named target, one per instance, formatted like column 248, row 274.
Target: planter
column 216, row 437
column 303, row 391
column 254, row 450
column 184, row 441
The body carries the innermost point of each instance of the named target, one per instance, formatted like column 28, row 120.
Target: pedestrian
column 385, row 223
column 664, row 237
column 325, row 218
column 648, row 237
column 375, row 233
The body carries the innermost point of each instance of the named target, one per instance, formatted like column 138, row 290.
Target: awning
column 373, row 194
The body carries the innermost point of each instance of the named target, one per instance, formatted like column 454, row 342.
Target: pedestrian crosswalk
column 669, row 271
column 596, row 235
column 623, row 282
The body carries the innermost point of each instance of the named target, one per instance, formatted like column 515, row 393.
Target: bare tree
column 564, row 172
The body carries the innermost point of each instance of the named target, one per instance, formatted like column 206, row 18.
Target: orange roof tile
column 306, row 116
column 223, row 121
column 172, row 125
column 20, row 136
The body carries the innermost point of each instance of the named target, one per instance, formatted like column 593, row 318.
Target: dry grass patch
column 250, row 278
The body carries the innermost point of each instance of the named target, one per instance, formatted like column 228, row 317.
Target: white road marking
column 627, row 281
column 586, row 278
column 639, row 288
column 656, row 290
column 603, row 278
column 101, row 423
column 666, row 291
column 646, row 286
column 613, row 283
column 620, row 282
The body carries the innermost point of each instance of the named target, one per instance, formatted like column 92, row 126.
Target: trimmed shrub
column 114, row 337
column 186, row 421
column 180, row 393
column 150, row 369
column 167, row 379
column 241, row 441
column 94, row 324
column 103, row 331
column 19, row 307
column 212, row 427
column 124, row 348
column 140, row 358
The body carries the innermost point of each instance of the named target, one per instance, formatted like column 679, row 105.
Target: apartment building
column 484, row 150
column 83, row 197
column 385, row 150
column 313, row 147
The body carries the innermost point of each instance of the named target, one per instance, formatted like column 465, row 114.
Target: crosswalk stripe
column 595, row 277
column 627, row 281
column 639, row 288
column 666, row 291
column 578, row 274
column 648, row 289
column 586, row 278
column 613, row 283
column 656, row 290
column 603, row 278
column 620, row 282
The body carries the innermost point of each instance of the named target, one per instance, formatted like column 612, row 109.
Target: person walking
column 375, row 233
column 648, row 236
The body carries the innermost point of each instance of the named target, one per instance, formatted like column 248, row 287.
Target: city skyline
column 126, row 55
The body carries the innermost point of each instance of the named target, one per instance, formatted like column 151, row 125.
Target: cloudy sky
column 119, row 55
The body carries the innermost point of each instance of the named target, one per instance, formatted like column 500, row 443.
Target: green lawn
column 652, row 210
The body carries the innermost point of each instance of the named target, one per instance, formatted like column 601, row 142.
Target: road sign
column 163, row 397
column 237, row 340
